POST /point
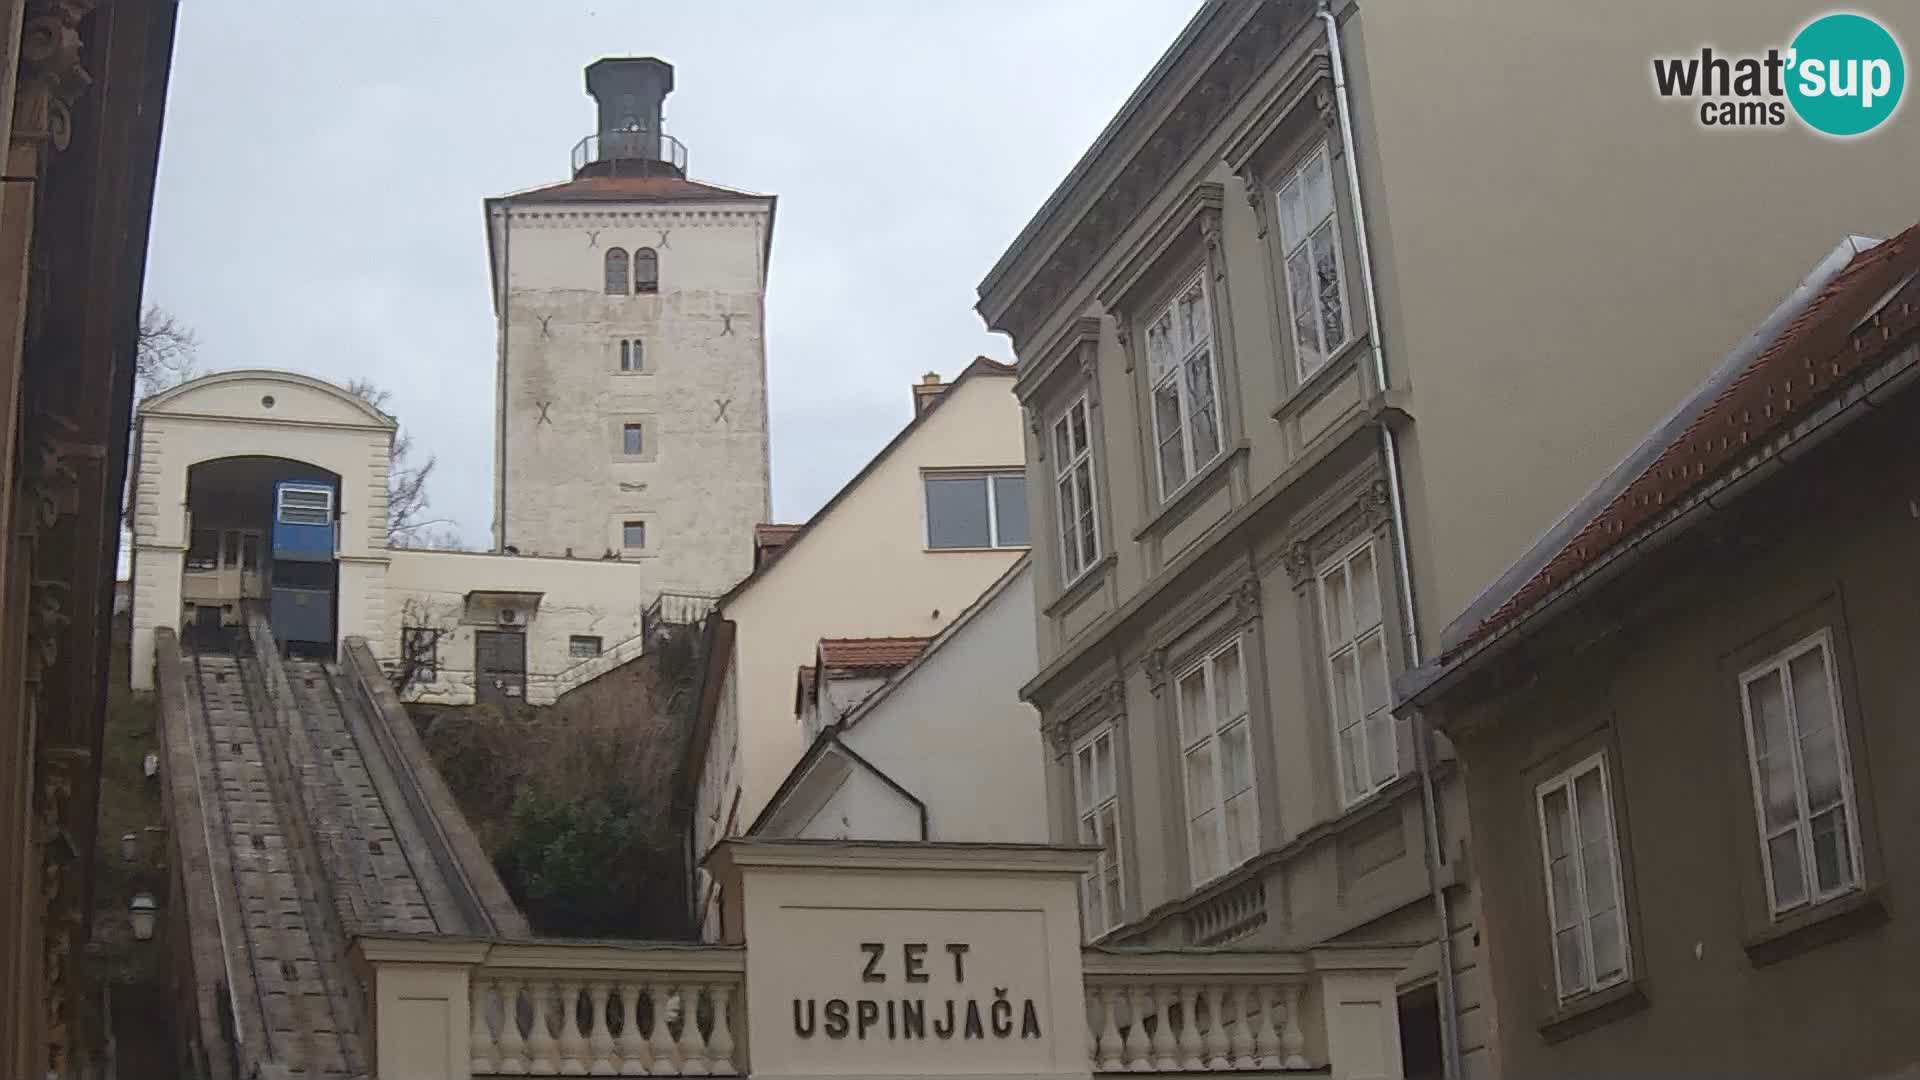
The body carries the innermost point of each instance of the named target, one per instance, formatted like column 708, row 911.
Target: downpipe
column 1423, row 749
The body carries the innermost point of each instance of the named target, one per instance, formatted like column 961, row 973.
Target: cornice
column 1199, row 206
column 1042, row 364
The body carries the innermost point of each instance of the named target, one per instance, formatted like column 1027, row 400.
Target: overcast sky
column 324, row 164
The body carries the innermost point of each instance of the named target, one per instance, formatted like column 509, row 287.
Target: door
column 499, row 666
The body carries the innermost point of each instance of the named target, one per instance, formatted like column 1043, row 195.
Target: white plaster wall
column 955, row 733
column 864, row 570
column 718, row 792
column 581, row 596
column 863, row 807
column 703, row 483
column 226, row 415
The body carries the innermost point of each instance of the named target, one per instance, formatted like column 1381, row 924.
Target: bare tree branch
column 164, row 357
column 406, row 484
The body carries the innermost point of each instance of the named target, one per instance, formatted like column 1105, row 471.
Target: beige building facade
column 1323, row 330
column 902, row 550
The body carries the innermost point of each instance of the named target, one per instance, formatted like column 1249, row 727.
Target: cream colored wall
column 225, row 415
column 581, row 596
column 1564, row 255
column 703, row 481
column 864, row 570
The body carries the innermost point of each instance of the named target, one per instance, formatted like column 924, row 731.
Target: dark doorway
column 499, row 666
column 1420, row 1054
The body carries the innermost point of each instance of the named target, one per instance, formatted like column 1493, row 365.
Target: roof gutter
column 1409, row 616
column 1849, row 407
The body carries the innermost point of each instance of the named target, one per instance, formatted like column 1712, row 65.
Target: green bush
column 586, row 864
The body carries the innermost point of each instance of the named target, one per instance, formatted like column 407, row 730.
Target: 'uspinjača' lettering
column 958, row 1015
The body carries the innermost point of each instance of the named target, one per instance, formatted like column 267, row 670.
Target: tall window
column 633, row 534
column 1096, row 801
column 632, row 440
column 1186, row 410
column 646, row 271
column 632, row 354
column 616, row 272
column 1073, row 490
column 1217, row 754
column 1316, row 279
column 977, row 510
column 1357, row 679
column 1583, row 879
column 1802, row 781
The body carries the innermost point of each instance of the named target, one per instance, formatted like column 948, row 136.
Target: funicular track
column 319, row 826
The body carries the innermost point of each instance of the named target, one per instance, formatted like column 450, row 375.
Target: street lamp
column 141, row 913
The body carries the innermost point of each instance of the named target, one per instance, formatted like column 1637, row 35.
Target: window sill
column 1182, row 500
column 1830, row 921
column 642, row 372
column 1014, row 548
column 1336, row 368
column 1089, row 579
column 1594, row 1010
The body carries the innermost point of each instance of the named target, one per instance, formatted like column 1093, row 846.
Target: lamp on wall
column 142, row 913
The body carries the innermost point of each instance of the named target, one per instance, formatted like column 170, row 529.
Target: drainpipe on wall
column 1396, row 493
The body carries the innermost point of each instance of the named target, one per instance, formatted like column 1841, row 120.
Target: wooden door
column 499, row 666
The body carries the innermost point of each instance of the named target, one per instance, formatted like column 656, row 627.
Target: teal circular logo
column 1845, row 74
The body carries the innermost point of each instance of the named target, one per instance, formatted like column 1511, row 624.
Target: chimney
column 629, row 94
column 927, row 391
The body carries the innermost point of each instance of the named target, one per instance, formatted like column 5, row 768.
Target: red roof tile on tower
column 843, row 655
column 1819, row 350
column 632, row 189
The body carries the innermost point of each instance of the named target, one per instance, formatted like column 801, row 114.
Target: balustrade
column 604, row 1023
column 1195, row 1011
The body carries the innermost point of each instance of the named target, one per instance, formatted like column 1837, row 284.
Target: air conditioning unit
column 509, row 617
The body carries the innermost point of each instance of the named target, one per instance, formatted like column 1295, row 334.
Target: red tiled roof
column 765, row 535
column 870, row 654
column 631, row 189
column 1823, row 347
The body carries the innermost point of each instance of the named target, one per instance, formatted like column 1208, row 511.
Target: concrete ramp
column 303, row 813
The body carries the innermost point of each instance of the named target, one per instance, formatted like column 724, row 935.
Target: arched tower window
column 616, row 272
column 646, row 271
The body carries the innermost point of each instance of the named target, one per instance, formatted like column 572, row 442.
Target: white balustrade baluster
column 665, row 1063
column 480, row 1049
column 543, row 1054
column 573, row 1045
column 1138, row 1046
column 1166, row 1053
column 513, row 1048
column 693, row 1045
column 1217, row 1028
column 1191, row 1045
column 1266, row 1044
column 1239, row 999
column 634, row 1054
column 1095, row 1010
column 1110, row 1049
column 720, row 1046
column 600, row 1042
column 1293, row 1037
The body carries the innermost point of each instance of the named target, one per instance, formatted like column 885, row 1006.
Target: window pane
column 1563, row 879
column 1345, row 694
column 1609, row 947
column 249, row 551
column 1206, row 411
column 630, row 439
column 1010, row 510
column 1161, row 359
column 1316, row 182
column 1294, row 220
column 1820, row 759
column 616, row 272
column 1334, row 595
column 1302, row 306
column 1326, row 277
column 1242, row 828
column 203, row 553
column 1204, row 845
column 1202, row 795
column 1374, row 680
column 1353, row 760
column 1195, row 721
column 1767, row 705
column 1166, row 416
column 1229, row 686
column 1110, row 836
column 1766, row 702
column 1812, row 693
column 1383, row 752
column 1062, row 446
column 1789, row 879
column 1236, row 758
column 1365, row 579
column 633, row 534
column 1077, row 425
column 1070, row 563
column 957, row 512
column 1195, row 325
column 1572, row 961
column 1558, row 822
column 1083, row 488
column 1832, row 851
column 1103, row 768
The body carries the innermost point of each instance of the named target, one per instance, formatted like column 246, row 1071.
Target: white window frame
column 1334, row 647
column 1214, row 730
column 1289, row 247
column 1090, row 808
column 1069, row 512
column 1781, row 662
column 325, row 507
column 1184, row 356
column 993, row 507
column 1597, row 762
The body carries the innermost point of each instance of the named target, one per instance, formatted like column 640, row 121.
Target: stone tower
column 631, row 397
